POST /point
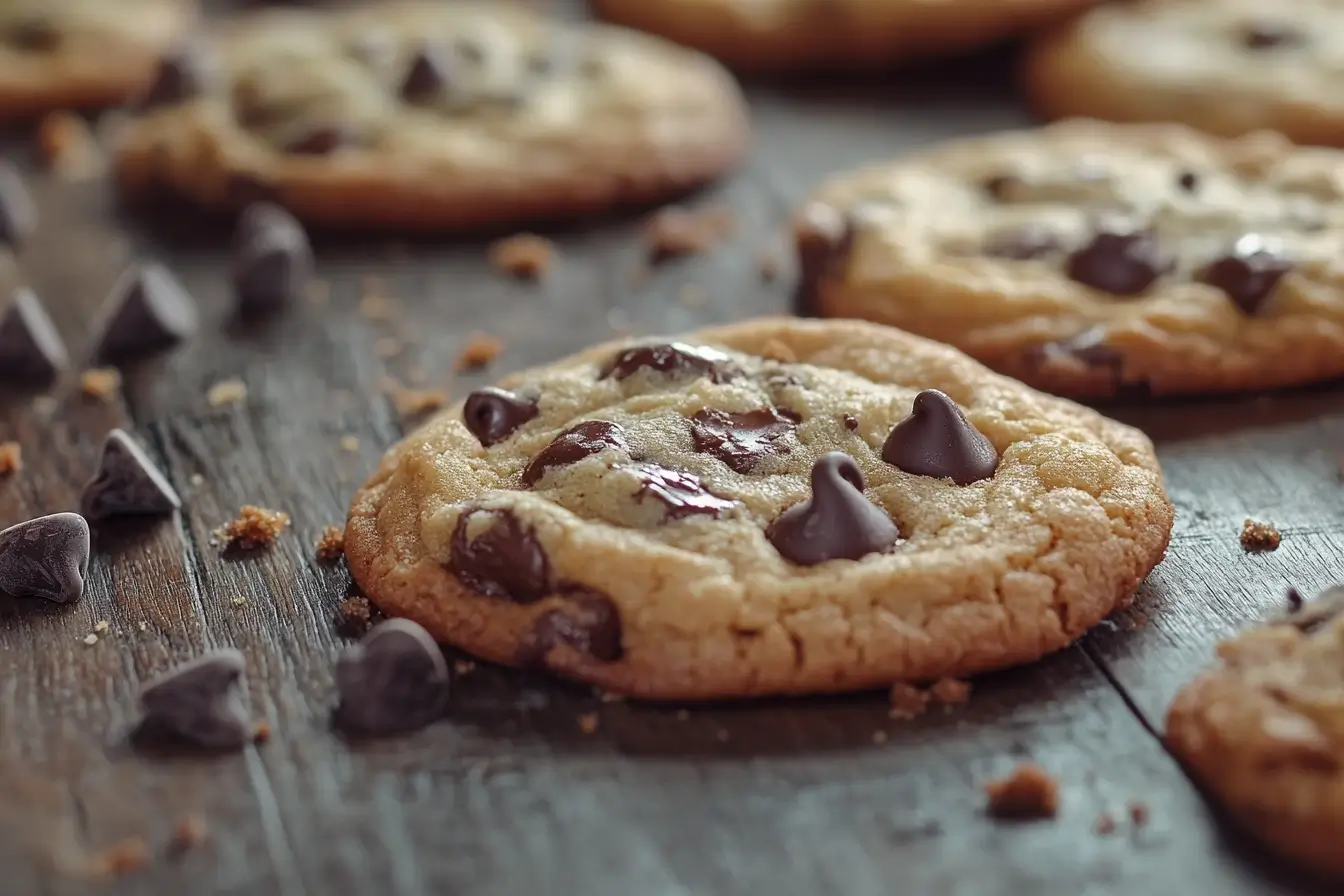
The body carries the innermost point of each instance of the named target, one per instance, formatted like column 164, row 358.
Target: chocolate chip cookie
column 61, row 54
column 776, row 506
column 801, row 35
column 431, row 116
column 1228, row 67
column 1263, row 732
column 1094, row 259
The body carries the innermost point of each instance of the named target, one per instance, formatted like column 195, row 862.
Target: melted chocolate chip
column 573, row 445
column 1268, row 34
column 1118, row 261
column 1021, row 243
column 181, row 75
column 823, row 242
column 675, row 359
column 1188, row 181
column 937, row 440
column 681, row 494
column 741, row 440
column 1089, row 347
column 493, row 414
column 320, row 141
column 430, row 73
column 589, row 623
column 504, row 560
column 837, row 522
column 393, row 681
column 1248, row 274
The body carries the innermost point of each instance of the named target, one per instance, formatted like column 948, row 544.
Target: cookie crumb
column 464, row 667
column 768, row 264
column 238, row 601
column 674, row 231
column 778, row 351
column 1138, row 813
column 950, row 691
column 377, row 307
column 1257, row 536
column 101, row 626
column 121, row 858
column 387, row 347
column 254, row 527
column 261, row 732
column 350, row 444
column 588, row 722
column 413, row 403
column 230, row 391
column 356, row 616
column 90, row 639
column 907, row 701
column 1028, row 792
column 523, row 255
column 100, row 383
column 11, row 458
column 196, row 479
column 331, row 546
column 68, row 147
column 188, row 834
column 480, row 350
column 1105, row 824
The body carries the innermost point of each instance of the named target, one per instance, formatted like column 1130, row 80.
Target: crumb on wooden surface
column 1105, row 824
column 350, row 443
column 675, row 231
column 356, row 616
column 1027, row 792
column 261, row 732
column 196, row 479
column 480, row 350
column 1258, row 536
column 588, row 722
column 523, row 255
column 254, row 527
column 1138, row 812
column 907, row 701
column 387, row 347
column 90, row 639
column 238, row 601
column 775, row 350
column 100, row 383
column 768, row 264
column 101, row 626
column 230, row 391
column 331, row 544
column 951, row 690
column 411, row 403
column 11, row 458
column 121, row 858
column 189, row 833
column 378, row 307
column 68, row 147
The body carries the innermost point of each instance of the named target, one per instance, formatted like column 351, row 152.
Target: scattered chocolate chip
column 47, row 557
column 1266, row 34
column 503, row 559
column 1248, row 273
column 1308, row 616
column 393, row 681
column 588, row 623
column 741, row 440
column 430, row 73
column 675, row 359
column 18, row 214
column 1089, row 347
column 1188, row 181
column 127, row 483
column 1021, row 243
column 851, row 422
column 181, row 75
column 1118, row 261
column 573, row 445
column 199, row 703
column 1295, row 599
column 493, row 414
column 681, row 494
column 837, row 522
column 273, row 260
column 37, row 32
column 149, row 310
column 320, row 141
column 937, row 440
column 823, row 242
column 31, row 349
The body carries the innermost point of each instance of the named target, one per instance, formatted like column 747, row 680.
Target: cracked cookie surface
column 432, row 116
column 1095, row 259
column 1228, row 67
column 763, row 508
column 1264, row 731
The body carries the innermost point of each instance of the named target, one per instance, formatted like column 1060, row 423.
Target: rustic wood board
column 508, row 796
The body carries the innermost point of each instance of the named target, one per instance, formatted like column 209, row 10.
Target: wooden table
column 509, row 796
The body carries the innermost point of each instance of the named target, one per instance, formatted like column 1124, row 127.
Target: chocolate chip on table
column 823, row 241
column 430, row 72
column 1248, row 273
column 47, row 558
column 589, row 623
column 937, row 440
column 320, row 141
column 681, row 494
column 1119, row 261
column 181, row 75
column 674, row 359
column 502, row 559
column 493, row 414
column 31, row 350
column 127, row 483
column 199, row 703
column 18, row 214
column 573, row 445
column 742, row 440
column 395, row 680
column 1021, row 243
column 837, row 522
column 149, row 310
column 273, row 260
column 1264, row 34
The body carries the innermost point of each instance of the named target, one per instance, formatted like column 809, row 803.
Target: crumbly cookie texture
column 61, row 54
column 797, row 35
column 1264, row 731
column 1095, row 259
column 689, row 519
column 434, row 116
column 1228, row 67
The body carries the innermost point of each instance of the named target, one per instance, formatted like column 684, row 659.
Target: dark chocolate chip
column 1188, row 181
column 47, row 557
column 1089, row 347
column 1308, row 616
column 180, row 76
column 851, row 422
column 741, row 440
column 503, row 559
column 199, row 703
column 937, row 440
column 18, row 214
column 393, row 681
column 1265, row 34
column 681, row 494
column 320, row 141
column 675, row 359
column 837, row 522
column 37, row 32
column 494, row 414
column 1295, row 599
column 127, row 483
column 589, row 623
column 31, row 349
column 823, row 242
column 1119, row 261
column 148, row 310
column 273, row 260
column 573, row 445
column 1248, row 273
column 1022, row 243
column 430, row 73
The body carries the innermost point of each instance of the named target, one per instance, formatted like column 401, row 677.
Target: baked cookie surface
column 754, row 509
column 1093, row 259
column 432, row 116
column 1228, row 67
column 801, row 35
column 1263, row 732
column 61, row 54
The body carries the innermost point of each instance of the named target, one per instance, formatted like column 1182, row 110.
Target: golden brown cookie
column 432, row 116
column 1228, row 67
column 1263, row 732
column 1093, row 259
column 776, row 506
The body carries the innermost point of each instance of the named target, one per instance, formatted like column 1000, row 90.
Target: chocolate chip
column 1308, row 616
column 18, row 214
column 273, row 260
column 31, row 349
column 199, row 703
column 37, row 32
column 1295, row 599
column 837, row 522
column 823, row 242
column 1024, row 242
column 1000, row 186
column 1188, row 181
column 429, row 74
column 47, row 557
column 320, row 141
column 493, row 414
column 674, row 359
column 1265, row 34
column 1089, row 347
column 589, row 623
column 681, row 494
column 393, row 681
column 1248, row 273
column 573, row 445
column 741, row 440
column 181, row 75
column 851, row 422
column 1123, row 262
column 937, row 440
column 127, row 483
column 503, row 559
column 149, row 310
